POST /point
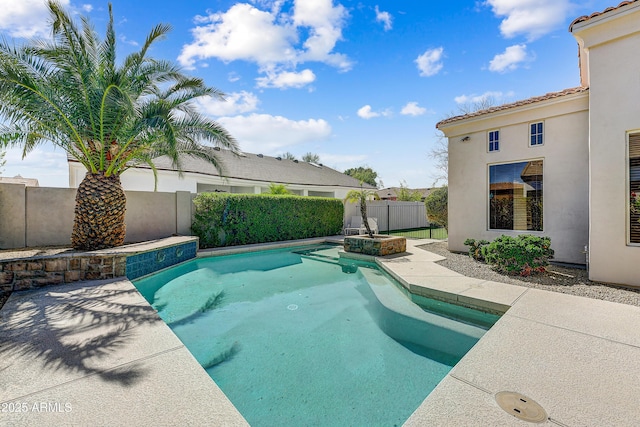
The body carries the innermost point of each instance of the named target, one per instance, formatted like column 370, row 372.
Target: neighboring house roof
column 548, row 96
column 392, row 192
column 532, row 170
column 499, row 186
column 595, row 14
column 257, row 167
column 28, row 182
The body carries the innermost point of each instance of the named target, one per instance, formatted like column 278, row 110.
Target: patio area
column 93, row 353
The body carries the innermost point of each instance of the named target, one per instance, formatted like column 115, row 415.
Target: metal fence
column 399, row 218
column 431, row 232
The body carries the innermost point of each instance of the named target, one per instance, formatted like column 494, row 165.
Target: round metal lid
column 521, row 407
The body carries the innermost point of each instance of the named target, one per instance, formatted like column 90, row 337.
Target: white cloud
column 430, row 62
column 286, row 79
column 25, row 18
column 273, row 39
column 532, row 18
column 367, row 113
column 235, row 103
column 267, row 134
column 510, row 59
column 87, row 7
column 385, row 18
column 495, row 96
column 241, row 33
column 324, row 23
column 412, row 109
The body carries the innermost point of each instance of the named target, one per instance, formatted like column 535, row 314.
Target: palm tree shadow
column 76, row 330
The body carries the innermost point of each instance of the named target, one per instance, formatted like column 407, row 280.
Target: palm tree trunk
column 99, row 213
column 363, row 213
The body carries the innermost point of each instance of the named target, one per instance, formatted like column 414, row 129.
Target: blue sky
column 358, row 83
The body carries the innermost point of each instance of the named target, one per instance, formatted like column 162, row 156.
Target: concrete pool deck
column 95, row 353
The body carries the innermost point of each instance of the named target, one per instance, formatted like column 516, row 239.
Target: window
column 634, row 187
column 515, row 196
column 494, row 140
column 535, row 136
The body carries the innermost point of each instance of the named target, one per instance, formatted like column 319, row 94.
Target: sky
column 359, row 83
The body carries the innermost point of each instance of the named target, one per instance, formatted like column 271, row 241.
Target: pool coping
column 577, row 357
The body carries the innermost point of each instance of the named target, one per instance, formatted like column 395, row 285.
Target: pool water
column 303, row 337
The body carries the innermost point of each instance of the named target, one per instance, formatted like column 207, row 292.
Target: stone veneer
column 378, row 246
column 21, row 274
column 132, row 261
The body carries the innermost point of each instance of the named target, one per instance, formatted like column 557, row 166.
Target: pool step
column 405, row 321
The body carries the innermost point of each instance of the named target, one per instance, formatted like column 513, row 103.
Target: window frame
column 495, row 142
column 628, row 187
column 537, row 134
column 488, row 196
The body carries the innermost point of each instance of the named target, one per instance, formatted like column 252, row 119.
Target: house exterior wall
column 612, row 38
column 565, row 177
column 169, row 181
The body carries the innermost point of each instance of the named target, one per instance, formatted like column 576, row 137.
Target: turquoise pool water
column 301, row 337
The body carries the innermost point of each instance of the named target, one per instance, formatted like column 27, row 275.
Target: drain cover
column 520, row 406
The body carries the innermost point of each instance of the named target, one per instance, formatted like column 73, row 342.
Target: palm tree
column 361, row 196
column 109, row 116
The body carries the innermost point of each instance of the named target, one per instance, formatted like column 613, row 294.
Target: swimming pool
column 301, row 336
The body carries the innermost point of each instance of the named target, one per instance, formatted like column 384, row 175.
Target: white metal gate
column 391, row 215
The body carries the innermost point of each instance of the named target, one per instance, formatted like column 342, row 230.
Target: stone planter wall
column 132, row 261
column 21, row 274
column 378, row 246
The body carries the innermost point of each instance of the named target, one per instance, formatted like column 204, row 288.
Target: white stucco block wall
column 565, row 177
column 612, row 42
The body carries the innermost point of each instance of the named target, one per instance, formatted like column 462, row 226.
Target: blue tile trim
column 148, row 262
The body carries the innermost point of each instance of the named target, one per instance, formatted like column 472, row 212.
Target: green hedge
column 240, row 219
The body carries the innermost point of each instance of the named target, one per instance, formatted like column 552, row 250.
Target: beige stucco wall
column 565, row 155
column 12, row 215
column 150, row 215
column 49, row 213
column 41, row 216
column 612, row 42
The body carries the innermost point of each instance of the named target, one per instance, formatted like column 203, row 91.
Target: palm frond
column 71, row 91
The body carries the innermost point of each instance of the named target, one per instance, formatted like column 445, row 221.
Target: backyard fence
column 399, row 218
column 42, row 216
column 392, row 215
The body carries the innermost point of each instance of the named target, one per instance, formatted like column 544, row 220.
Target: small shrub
column 475, row 248
column 521, row 255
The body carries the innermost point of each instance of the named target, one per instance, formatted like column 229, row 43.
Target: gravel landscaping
column 558, row 278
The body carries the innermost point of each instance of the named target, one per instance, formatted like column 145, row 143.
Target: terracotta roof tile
column 593, row 15
column 550, row 95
